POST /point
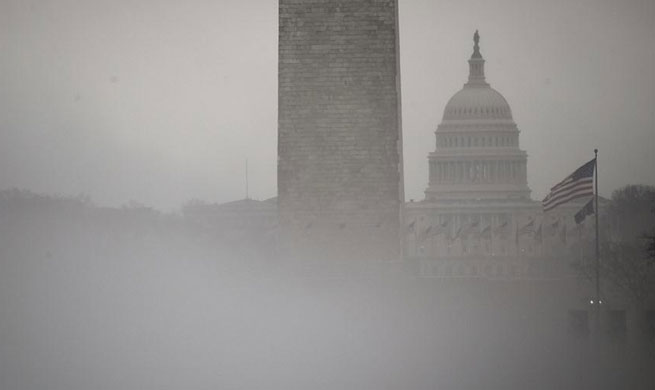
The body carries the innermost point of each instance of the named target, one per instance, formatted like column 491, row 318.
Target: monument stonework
column 339, row 134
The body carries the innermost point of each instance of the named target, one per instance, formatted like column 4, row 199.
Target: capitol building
column 477, row 218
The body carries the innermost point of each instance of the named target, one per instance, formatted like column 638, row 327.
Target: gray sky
column 163, row 101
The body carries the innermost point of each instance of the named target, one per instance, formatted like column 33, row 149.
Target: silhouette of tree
column 628, row 250
column 630, row 267
column 632, row 212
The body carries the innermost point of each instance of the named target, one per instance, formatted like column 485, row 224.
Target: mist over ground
column 164, row 101
column 98, row 298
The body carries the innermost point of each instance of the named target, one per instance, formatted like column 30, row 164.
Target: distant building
column 477, row 218
column 478, row 225
column 245, row 223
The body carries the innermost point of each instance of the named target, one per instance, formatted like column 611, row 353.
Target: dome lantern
column 476, row 64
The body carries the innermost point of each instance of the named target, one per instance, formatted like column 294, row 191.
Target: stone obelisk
column 340, row 176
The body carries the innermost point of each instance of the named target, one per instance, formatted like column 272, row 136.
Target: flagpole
column 516, row 237
column 597, row 236
column 247, row 189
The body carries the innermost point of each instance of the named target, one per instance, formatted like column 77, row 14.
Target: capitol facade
column 477, row 218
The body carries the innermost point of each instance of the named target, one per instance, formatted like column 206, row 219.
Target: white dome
column 477, row 153
column 477, row 102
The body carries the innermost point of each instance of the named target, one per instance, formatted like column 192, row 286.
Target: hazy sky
column 163, row 101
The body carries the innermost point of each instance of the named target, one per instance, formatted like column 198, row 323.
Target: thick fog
column 161, row 101
column 129, row 298
column 115, row 114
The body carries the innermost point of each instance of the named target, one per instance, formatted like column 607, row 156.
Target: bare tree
column 629, row 267
column 628, row 248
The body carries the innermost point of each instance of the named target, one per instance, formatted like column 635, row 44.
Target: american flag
column 538, row 235
column 577, row 185
column 554, row 227
column 486, row 232
column 501, row 228
column 410, row 227
column 588, row 209
column 527, row 229
column 441, row 228
column 425, row 234
column 456, row 236
column 471, row 228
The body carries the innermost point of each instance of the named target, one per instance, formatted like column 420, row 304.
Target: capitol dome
column 477, row 102
column 477, row 153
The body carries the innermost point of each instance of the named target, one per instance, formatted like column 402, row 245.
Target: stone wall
column 339, row 136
